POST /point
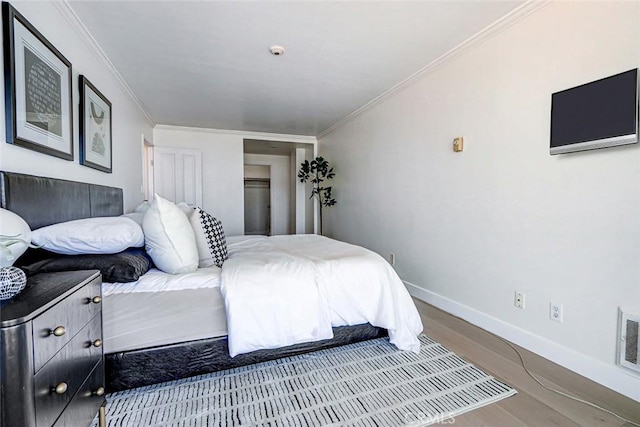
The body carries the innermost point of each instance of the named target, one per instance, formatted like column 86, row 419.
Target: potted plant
column 317, row 171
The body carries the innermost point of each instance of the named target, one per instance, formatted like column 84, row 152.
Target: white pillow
column 136, row 216
column 101, row 235
column 142, row 207
column 13, row 229
column 169, row 239
column 185, row 208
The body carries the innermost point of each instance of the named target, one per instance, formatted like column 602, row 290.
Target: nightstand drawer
column 86, row 402
column 56, row 326
column 61, row 377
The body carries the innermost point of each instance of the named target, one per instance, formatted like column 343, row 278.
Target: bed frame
column 42, row 201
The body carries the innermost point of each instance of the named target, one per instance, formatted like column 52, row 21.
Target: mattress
column 161, row 309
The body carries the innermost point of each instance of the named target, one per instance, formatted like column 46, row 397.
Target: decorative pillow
column 102, row 235
column 169, row 238
column 126, row 266
column 210, row 240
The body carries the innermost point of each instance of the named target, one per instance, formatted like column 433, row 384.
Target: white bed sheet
column 282, row 290
column 157, row 281
column 162, row 309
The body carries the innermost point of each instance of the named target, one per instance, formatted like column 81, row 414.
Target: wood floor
column 533, row 405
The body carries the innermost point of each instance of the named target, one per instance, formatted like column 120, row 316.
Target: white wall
column 222, row 171
column 280, row 189
column 298, row 213
column 302, row 205
column 223, row 168
column 129, row 122
column 257, row 172
column 470, row 228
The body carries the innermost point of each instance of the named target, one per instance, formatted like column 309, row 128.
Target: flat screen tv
column 599, row 114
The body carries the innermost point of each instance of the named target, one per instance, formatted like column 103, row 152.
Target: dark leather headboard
column 44, row 201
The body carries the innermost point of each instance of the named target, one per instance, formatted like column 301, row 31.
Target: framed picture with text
column 95, row 128
column 37, row 84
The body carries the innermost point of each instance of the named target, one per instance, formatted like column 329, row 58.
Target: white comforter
column 284, row 290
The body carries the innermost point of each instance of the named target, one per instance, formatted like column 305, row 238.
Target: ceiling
column 207, row 63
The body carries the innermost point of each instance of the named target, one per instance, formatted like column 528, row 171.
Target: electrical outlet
column 519, row 299
column 555, row 312
column 392, row 259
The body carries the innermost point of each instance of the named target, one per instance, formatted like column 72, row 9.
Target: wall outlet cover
column 519, row 299
column 555, row 312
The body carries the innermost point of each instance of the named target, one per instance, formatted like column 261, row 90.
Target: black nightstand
column 51, row 359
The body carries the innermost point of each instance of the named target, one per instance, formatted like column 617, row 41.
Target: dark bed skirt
column 137, row 368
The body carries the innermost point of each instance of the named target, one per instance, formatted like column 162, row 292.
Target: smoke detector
column 276, row 50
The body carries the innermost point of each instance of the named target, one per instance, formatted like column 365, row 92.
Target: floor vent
column 629, row 342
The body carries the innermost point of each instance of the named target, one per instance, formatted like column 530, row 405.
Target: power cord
column 577, row 399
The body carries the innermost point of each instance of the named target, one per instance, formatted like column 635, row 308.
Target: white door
column 177, row 174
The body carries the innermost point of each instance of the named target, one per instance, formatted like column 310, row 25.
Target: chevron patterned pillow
column 210, row 239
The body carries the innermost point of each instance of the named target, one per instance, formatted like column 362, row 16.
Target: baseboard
column 608, row 375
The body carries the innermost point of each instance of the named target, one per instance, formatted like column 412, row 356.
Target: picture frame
column 95, row 128
column 38, row 89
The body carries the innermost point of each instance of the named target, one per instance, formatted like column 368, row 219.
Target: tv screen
column 599, row 114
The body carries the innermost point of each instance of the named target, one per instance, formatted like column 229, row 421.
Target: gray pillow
column 126, row 266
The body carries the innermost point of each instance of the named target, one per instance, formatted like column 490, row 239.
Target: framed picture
column 95, row 127
column 38, row 106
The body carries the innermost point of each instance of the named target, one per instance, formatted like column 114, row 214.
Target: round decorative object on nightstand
column 12, row 282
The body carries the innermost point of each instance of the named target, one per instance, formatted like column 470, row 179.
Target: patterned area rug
column 365, row 384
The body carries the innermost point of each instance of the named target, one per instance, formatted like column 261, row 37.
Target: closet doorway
column 291, row 209
column 257, row 201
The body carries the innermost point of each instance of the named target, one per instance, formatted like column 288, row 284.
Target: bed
column 161, row 328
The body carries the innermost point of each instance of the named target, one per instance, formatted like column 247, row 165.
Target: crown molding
column 281, row 137
column 72, row 18
column 498, row 26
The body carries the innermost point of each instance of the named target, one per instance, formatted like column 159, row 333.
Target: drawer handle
column 97, row 343
column 59, row 331
column 99, row 391
column 96, row 300
column 61, row 388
